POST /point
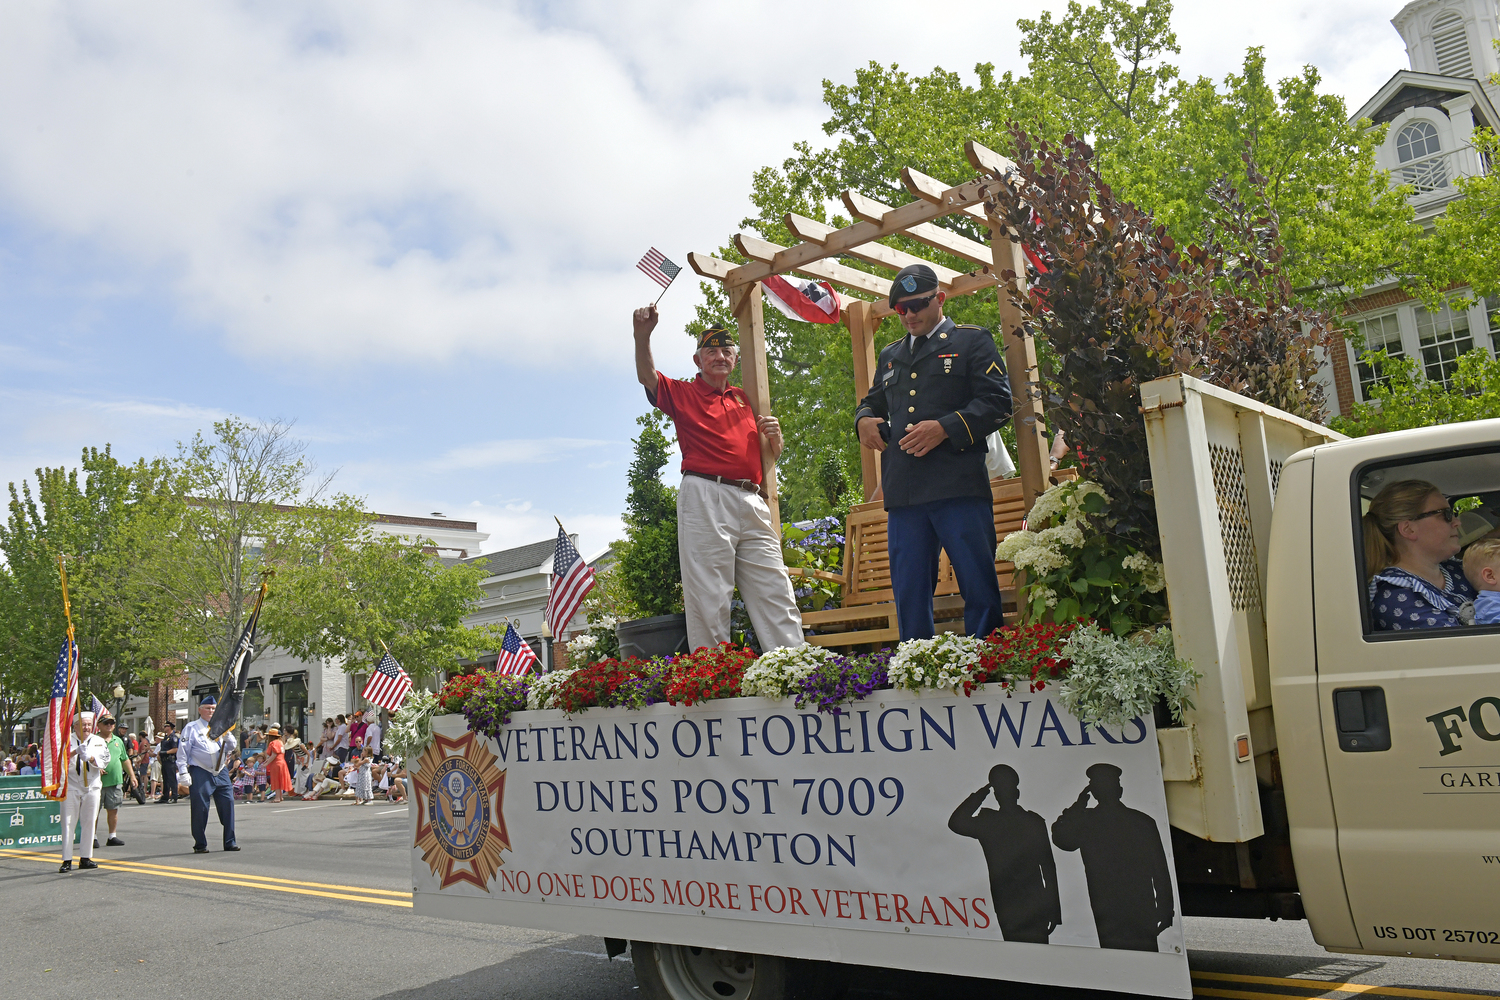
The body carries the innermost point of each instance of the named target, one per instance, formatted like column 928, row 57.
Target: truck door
column 1411, row 717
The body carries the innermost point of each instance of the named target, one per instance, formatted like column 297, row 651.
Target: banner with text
column 987, row 836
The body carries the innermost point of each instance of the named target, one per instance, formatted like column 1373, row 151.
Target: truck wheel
column 681, row 972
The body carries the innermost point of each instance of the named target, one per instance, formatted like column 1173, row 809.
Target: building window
column 1379, row 333
column 1492, row 317
column 1450, row 43
column 1417, row 145
column 1443, row 335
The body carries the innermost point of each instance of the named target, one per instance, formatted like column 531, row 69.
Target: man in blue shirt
column 205, row 763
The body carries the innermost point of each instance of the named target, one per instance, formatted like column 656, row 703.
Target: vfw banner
column 983, row 836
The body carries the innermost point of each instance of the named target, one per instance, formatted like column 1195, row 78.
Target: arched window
column 1450, row 42
column 1418, row 145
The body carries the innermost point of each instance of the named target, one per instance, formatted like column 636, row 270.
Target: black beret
column 912, row 280
column 715, row 336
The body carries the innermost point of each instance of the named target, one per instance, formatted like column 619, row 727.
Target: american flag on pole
column 656, row 267
column 388, row 685
column 97, row 707
column 515, row 656
column 572, row 578
column 59, row 730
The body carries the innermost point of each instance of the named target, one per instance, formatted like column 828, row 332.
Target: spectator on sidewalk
column 117, row 777
column 278, row 778
column 357, row 727
column 373, row 734
column 341, row 740
column 326, row 740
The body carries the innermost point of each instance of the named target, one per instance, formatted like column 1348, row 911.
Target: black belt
column 749, row 486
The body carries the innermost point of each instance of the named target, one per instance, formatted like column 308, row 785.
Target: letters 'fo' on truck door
column 1409, row 716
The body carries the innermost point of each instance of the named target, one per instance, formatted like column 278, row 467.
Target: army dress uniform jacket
column 955, row 377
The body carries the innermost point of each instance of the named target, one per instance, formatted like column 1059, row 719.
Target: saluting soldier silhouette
column 1023, row 873
column 1130, row 885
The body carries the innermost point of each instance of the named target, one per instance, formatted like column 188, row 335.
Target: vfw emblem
column 460, row 796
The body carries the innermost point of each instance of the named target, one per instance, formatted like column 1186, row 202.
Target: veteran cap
column 715, row 336
column 1103, row 772
column 912, row 280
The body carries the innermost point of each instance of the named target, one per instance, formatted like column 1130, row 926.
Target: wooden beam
column 875, row 253
column 862, row 341
column 848, row 277
column 869, row 210
column 932, row 190
column 745, row 303
column 1025, row 377
column 709, row 267
column 956, row 199
column 986, row 160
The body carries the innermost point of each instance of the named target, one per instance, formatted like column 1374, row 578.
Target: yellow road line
column 1319, row 986
column 200, row 871
column 160, row 871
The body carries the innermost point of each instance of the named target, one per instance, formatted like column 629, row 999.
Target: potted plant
column 647, row 569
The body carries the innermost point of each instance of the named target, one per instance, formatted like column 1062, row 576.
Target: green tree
column 366, row 592
column 1403, row 398
column 647, row 570
column 96, row 519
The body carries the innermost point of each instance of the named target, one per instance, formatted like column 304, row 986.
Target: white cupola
column 1451, row 37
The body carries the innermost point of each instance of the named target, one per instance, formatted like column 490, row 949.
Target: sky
column 413, row 228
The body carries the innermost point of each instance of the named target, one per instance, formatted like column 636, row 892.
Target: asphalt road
column 316, row 905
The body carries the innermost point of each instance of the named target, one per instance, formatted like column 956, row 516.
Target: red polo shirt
column 716, row 430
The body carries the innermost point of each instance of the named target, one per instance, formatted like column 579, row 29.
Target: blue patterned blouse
column 1402, row 600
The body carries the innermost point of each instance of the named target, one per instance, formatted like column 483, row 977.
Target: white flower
column 775, row 674
column 946, row 661
column 544, row 689
column 581, row 645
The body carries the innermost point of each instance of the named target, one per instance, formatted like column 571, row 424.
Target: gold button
column 914, row 392
column 913, row 374
column 911, row 409
column 942, row 336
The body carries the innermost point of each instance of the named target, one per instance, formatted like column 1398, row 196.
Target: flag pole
column 664, row 289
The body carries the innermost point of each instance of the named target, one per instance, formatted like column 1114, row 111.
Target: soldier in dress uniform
column 939, row 392
column 87, row 759
column 205, row 763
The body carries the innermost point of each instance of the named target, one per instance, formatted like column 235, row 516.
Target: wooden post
column 1032, row 446
column 862, row 342
column 745, row 302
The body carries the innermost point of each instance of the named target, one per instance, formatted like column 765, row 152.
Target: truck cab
column 1387, row 736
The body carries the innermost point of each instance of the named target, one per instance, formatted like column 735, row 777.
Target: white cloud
column 354, row 183
column 534, row 451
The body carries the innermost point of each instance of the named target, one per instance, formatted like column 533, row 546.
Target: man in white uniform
column 205, row 764
column 87, row 760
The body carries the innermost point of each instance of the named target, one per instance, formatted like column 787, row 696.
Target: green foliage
column 1464, row 248
column 818, row 547
column 1113, row 678
column 1404, row 398
column 1103, row 72
column 649, row 573
column 1078, row 566
column 105, row 520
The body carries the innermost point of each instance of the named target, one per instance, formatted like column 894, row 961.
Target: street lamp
column 119, row 696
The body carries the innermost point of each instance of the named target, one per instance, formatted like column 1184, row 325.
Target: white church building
column 1430, row 112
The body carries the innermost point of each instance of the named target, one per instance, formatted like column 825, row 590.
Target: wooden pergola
column 817, row 257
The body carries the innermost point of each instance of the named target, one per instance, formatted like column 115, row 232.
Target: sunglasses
column 914, row 305
column 1446, row 513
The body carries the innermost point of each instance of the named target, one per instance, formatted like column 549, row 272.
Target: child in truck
column 1482, row 567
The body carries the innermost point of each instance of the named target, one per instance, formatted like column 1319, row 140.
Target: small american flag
column 388, row 685
column 656, row 267
column 515, row 656
column 97, row 707
column 56, row 739
column 572, row 578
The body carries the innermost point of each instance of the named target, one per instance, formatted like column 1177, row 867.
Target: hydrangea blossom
column 776, row 673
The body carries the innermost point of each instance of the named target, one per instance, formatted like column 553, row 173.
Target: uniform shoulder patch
column 994, row 367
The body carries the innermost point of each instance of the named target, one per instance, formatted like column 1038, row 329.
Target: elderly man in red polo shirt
column 725, row 537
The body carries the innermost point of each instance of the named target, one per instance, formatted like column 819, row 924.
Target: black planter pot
column 647, row 637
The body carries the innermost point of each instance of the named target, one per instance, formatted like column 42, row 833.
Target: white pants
column 725, row 539
column 80, row 807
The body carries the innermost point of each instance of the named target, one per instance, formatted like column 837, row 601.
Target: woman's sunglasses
column 1446, row 513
